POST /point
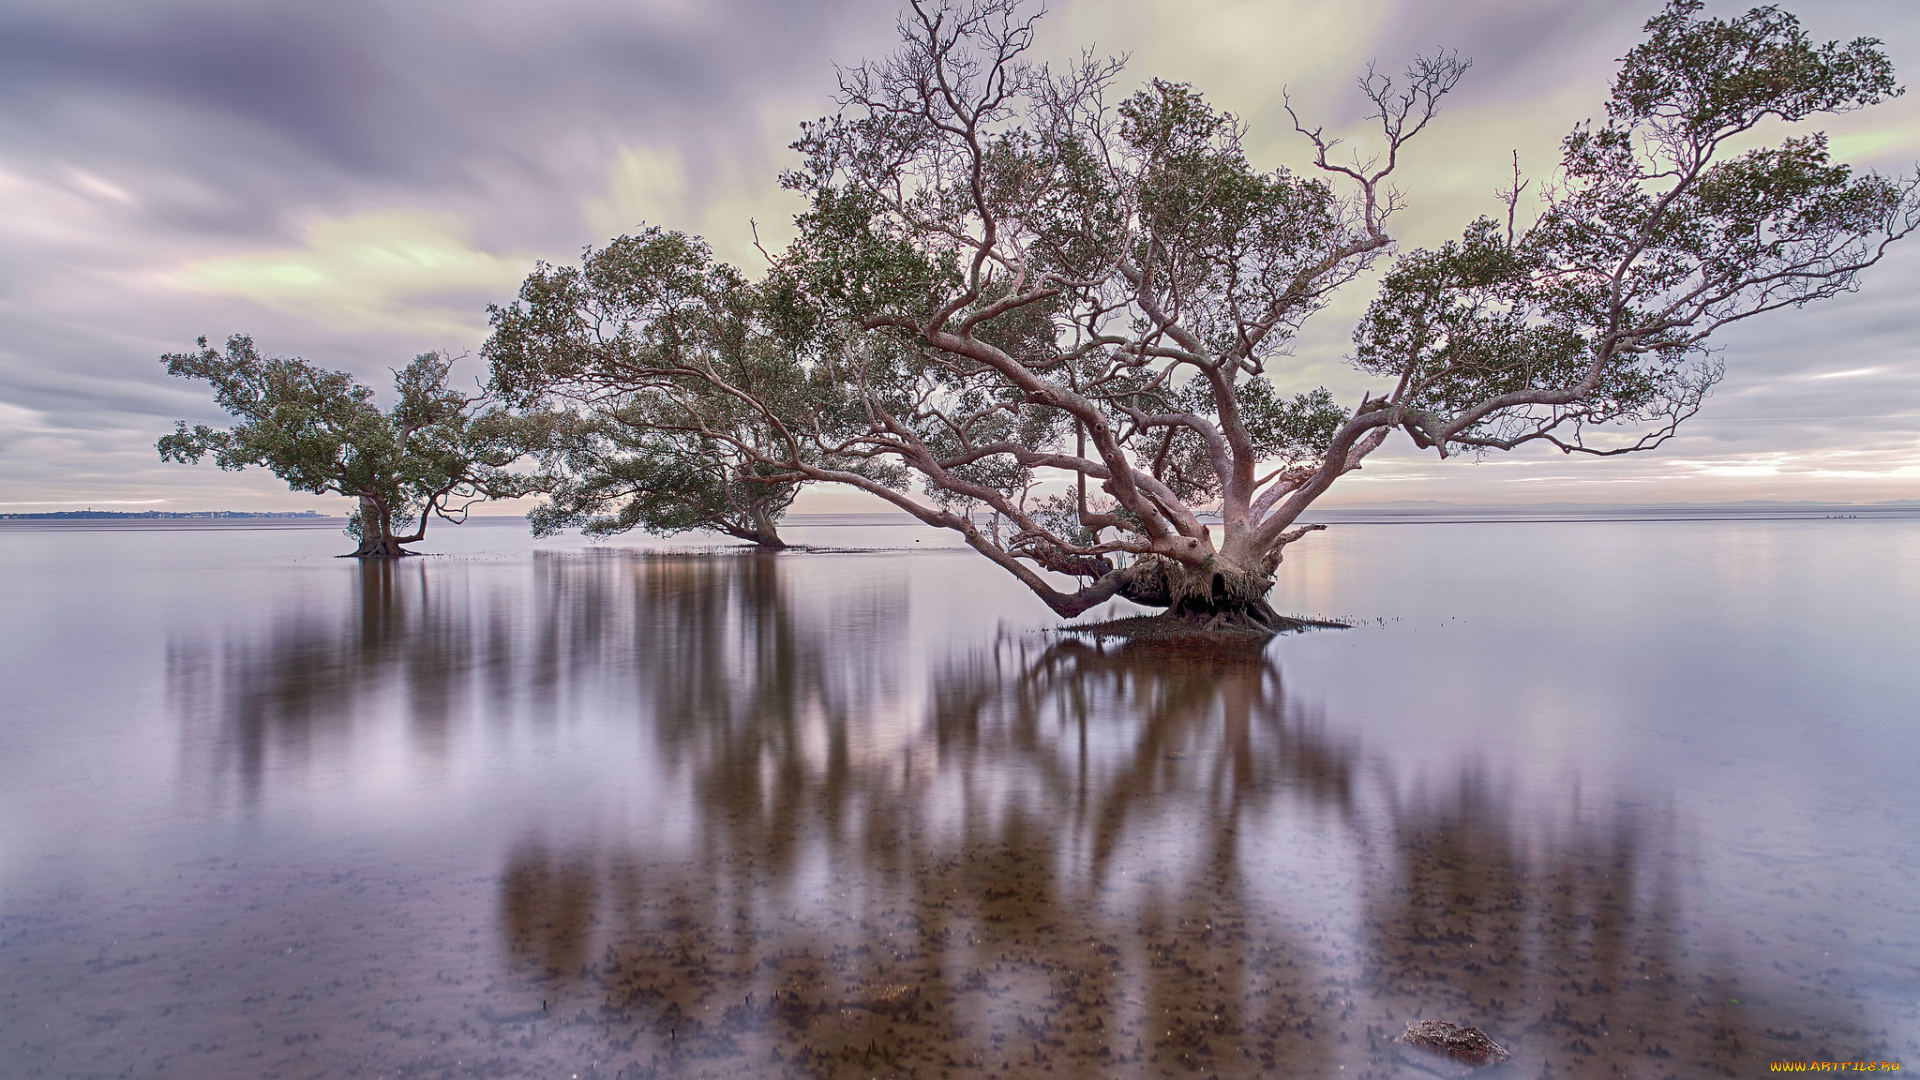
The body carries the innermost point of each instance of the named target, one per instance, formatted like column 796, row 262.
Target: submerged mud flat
column 625, row 814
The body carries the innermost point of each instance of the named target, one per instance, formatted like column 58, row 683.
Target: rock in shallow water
column 888, row 1000
column 1467, row 1048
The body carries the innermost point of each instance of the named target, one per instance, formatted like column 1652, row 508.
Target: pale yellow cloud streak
column 735, row 195
column 1240, row 53
column 393, row 270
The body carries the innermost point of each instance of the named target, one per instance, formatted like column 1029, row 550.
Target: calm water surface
column 1636, row 798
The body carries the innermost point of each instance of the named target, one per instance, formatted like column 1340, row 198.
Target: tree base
column 385, row 549
column 1235, row 629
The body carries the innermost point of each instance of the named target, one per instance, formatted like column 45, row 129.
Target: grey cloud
column 233, row 123
column 289, row 70
column 227, row 114
column 389, row 90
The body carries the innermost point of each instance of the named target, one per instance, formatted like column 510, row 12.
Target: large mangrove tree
column 1009, row 275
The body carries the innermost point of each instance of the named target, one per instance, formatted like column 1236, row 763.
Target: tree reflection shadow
column 682, row 643
column 1003, row 892
column 1030, row 857
column 275, row 697
column 1095, row 861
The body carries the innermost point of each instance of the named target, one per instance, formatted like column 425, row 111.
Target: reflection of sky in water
column 1625, row 795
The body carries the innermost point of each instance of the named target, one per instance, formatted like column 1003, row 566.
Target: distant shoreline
column 168, row 515
column 1569, row 514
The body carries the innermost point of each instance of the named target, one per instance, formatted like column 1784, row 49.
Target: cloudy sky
column 353, row 182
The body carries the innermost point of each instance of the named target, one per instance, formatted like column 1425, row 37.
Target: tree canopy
column 678, row 376
column 1007, row 274
column 434, row 453
column 1597, row 315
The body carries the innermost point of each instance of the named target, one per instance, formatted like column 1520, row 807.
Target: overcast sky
column 353, row 182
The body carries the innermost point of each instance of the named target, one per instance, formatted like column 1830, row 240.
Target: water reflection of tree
column 1065, row 859
column 274, row 697
column 1549, row 933
column 696, row 641
column 1108, row 861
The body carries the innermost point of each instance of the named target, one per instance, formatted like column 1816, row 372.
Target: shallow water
column 1635, row 798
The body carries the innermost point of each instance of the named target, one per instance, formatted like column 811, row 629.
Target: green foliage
column 433, row 453
column 1465, row 322
column 1225, row 242
column 684, row 377
column 1281, row 429
column 854, row 266
column 1059, row 514
column 1600, row 312
column 618, row 474
column 1700, row 79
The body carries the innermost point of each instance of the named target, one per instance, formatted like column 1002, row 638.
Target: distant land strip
column 160, row 515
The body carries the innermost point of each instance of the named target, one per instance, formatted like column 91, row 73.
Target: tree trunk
column 1222, row 596
column 380, row 548
column 376, row 532
column 761, row 528
column 770, row 540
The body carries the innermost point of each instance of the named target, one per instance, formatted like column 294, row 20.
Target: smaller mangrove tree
column 434, row 454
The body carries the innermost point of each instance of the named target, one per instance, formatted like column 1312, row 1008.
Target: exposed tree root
column 388, row 549
column 1230, row 629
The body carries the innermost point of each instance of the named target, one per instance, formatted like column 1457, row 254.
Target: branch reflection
column 1020, row 858
column 275, row 697
column 1049, row 877
column 1096, row 861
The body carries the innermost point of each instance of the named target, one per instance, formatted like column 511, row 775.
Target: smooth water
column 1635, row 798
